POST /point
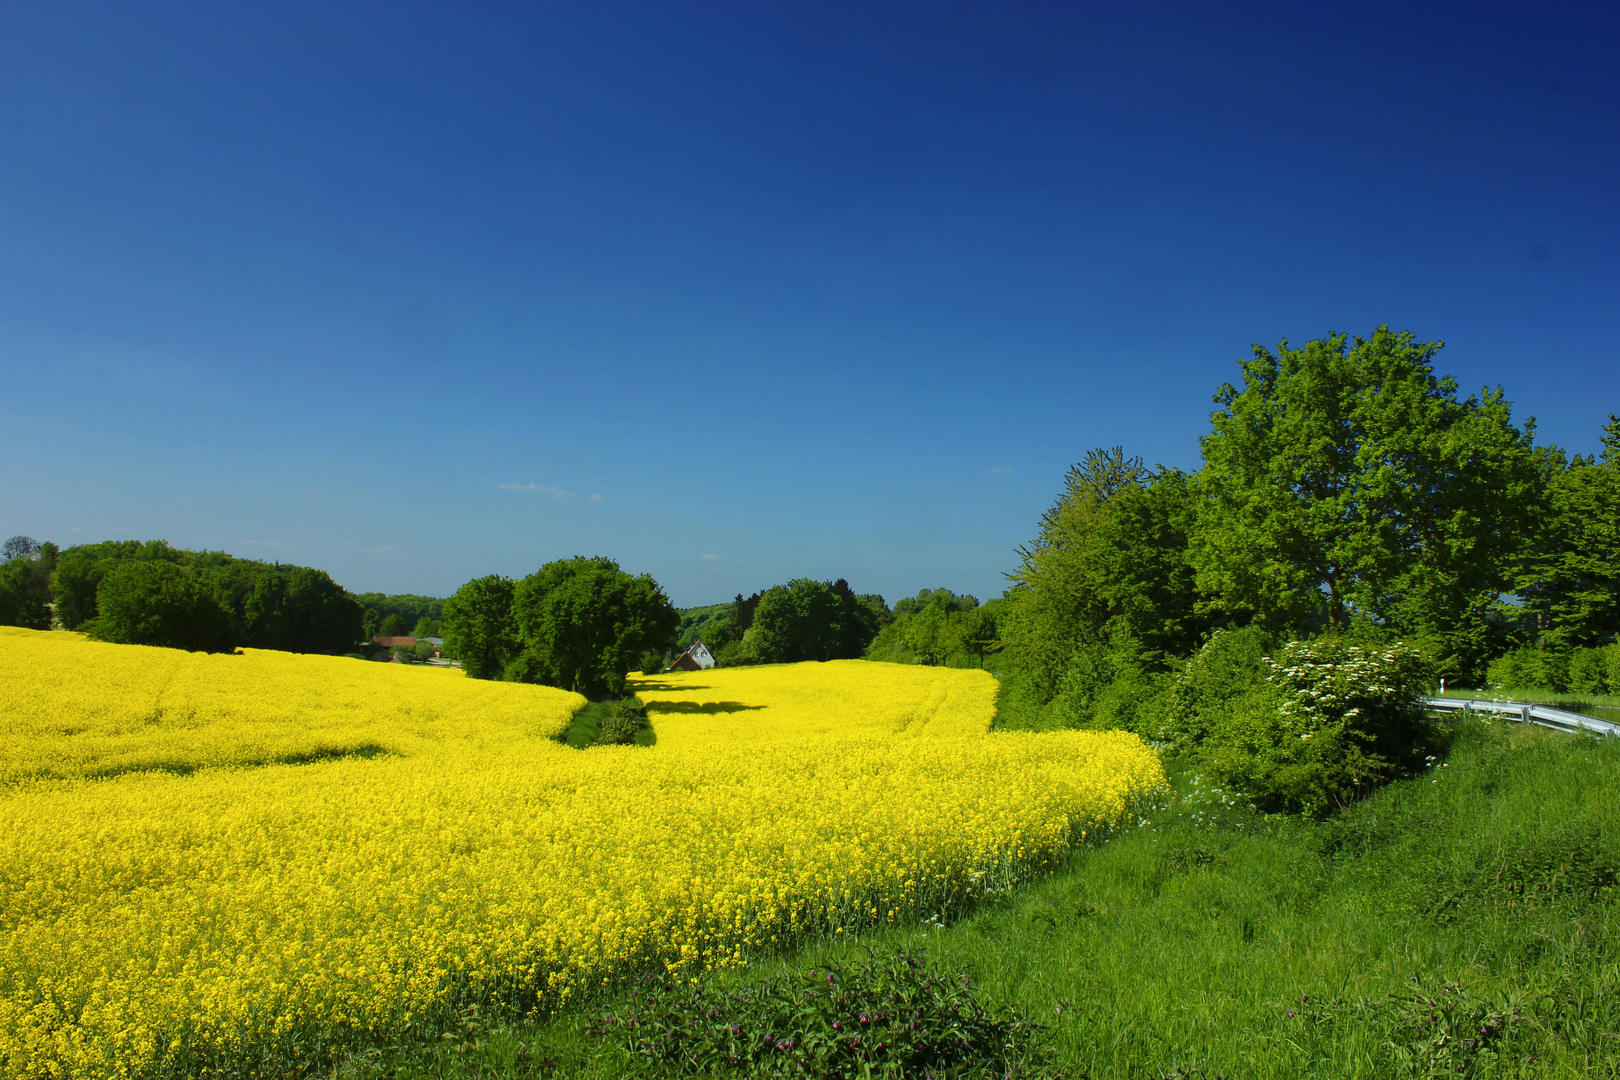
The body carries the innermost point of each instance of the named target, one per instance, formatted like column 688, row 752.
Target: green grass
column 1213, row 941
column 586, row 727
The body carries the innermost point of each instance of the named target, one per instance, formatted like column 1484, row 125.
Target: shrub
column 896, row 1017
column 1530, row 668
column 1230, row 665
column 1589, row 670
column 1331, row 720
column 625, row 720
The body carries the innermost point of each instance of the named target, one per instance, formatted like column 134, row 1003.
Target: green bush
column 1330, row 722
column 625, row 720
column 1530, row 668
column 1230, row 665
column 1590, row 669
column 896, row 1017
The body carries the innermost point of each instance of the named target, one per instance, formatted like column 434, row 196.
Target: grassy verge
column 1461, row 923
column 595, row 724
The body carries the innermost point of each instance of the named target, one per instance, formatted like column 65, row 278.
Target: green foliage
column 479, row 628
column 25, row 585
column 898, row 1016
column 1109, row 564
column 392, row 626
column 267, row 606
column 1330, row 721
column 299, row 609
column 724, row 632
column 811, row 620
column 1347, row 475
column 427, row 626
column 938, row 627
column 1209, row 686
column 702, row 623
column 1530, row 668
column 410, row 608
column 154, row 602
column 624, row 723
column 1579, row 671
column 621, row 722
column 1570, row 573
column 583, row 624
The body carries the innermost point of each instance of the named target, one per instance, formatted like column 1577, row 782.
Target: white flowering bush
column 1329, row 721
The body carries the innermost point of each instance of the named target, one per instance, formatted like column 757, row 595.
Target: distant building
column 394, row 642
column 694, row 659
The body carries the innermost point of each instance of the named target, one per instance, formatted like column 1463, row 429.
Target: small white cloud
column 596, row 498
column 711, row 558
column 1000, row 469
column 372, row 550
column 539, row 489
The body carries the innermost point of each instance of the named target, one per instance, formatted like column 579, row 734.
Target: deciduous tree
column 584, row 623
column 478, row 626
column 1346, row 476
column 154, row 602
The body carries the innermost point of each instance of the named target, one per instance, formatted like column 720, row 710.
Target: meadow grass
column 1457, row 923
column 585, row 730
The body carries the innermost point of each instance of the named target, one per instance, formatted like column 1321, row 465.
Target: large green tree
column 25, row 584
column 584, row 624
column 812, row 620
column 478, row 626
column 1109, row 563
column 1347, row 477
column 154, row 602
column 299, row 609
column 1571, row 573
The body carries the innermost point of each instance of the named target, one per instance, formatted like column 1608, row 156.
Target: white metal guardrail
column 1529, row 713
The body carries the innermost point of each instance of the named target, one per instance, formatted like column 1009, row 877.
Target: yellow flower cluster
column 248, row 917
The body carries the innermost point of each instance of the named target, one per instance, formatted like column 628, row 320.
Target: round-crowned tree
column 157, row 603
column 478, row 627
column 584, row 623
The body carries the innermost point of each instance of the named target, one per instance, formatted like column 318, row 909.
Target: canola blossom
column 247, row 863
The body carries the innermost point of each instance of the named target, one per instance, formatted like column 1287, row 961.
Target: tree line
column 149, row 593
column 1346, row 488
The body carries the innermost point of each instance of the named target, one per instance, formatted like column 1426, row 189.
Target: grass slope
column 1461, row 923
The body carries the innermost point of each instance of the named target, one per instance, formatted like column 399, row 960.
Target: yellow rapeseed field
column 244, row 863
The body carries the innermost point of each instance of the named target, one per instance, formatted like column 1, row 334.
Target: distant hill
column 698, row 622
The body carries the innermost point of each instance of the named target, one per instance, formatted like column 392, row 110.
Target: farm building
column 694, row 659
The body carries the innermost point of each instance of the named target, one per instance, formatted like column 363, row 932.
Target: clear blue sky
column 739, row 293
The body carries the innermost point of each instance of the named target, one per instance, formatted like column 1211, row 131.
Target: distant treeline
column 400, row 614
column 800, row 620
column 150, row 593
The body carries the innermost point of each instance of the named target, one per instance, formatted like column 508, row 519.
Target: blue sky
column 740, row 293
